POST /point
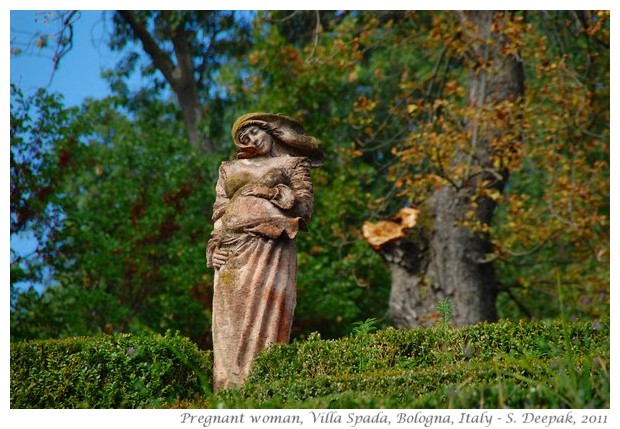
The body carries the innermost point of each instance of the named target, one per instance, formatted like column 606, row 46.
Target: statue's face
column 258, row 138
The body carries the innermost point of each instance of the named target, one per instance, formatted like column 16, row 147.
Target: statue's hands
column 219, row 258
column 258, row 190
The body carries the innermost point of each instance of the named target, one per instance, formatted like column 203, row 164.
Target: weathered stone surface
column 263, row 198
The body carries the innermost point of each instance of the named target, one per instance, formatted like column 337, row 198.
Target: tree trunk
column 442, row 257
column 180, row 76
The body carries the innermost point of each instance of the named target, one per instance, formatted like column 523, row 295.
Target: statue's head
column 286, row 137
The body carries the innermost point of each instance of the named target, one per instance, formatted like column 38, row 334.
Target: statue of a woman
column 263, row 198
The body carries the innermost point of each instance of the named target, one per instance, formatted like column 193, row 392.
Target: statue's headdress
column 286, row 130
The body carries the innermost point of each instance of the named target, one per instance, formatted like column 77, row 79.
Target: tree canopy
column 119, row 191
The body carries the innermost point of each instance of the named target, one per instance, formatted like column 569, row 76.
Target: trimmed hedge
column 545, row 364
column 520, row 365
column 117, row 371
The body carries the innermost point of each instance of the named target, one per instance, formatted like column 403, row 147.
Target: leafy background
column 119, row 196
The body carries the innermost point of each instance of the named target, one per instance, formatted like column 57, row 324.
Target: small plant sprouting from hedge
column 366, row 327
column 117, row 371
column 444, row 308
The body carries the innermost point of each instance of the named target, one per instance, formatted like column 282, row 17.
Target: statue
column 263, row 198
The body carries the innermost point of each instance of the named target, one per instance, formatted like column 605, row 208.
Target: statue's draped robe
column 255, row 291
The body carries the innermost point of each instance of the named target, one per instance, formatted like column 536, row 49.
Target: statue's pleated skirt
column 253, row 303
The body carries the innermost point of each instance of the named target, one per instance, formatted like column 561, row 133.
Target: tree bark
column 442, row 258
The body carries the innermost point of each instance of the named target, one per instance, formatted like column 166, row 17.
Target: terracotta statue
column 263, row 198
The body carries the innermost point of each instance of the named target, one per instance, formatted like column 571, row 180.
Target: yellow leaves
column 549, row 66
column 498, row 163
column 316, row 250
column 513, row 30
column 352, row 77
column 600, row 165
column 450, row 86
column 572, row 193
column 339, row 45
column 599, row 24
column 475, row 225
column 442, row 32
column 493, row 194
column 404, row 76
column 363, row 104
column 254, row 57
column 438, row 103
column 354, row 74
column 521, row 229
column 436, row 181
column 291, row 54
column 453, row 87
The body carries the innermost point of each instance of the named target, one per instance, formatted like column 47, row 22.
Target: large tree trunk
column 441, row 257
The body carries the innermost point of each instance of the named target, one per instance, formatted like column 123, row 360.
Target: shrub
column 544, row 364
column 117, row 371
column 520, row 365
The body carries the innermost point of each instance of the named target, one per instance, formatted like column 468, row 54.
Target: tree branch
column 161, row 60
column 183, row 54
column 180, row 77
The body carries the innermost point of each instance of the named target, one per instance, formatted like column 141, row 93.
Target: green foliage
column 556, row 205
column 41, row 141
column 444, row 308
column 127, row 253
column 120, row 204
column 365, row 327
column 517, row 365
column 386, row 94
column 118, row 371
column 342, row 279
column 550, row 364
column 194, row 43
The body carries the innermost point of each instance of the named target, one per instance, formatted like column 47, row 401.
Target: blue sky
column 78, row 76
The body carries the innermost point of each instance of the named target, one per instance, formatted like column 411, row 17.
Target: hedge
column 520, row 365
column 112, row 371
column 542, row 364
